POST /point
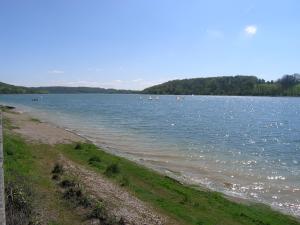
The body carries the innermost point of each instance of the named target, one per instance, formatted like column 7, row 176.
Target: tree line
column 288, row 85
column 11, row 89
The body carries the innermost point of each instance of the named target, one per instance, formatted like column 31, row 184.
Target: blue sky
column 137, row 43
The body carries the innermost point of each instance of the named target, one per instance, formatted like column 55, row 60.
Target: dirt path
column 119, row 202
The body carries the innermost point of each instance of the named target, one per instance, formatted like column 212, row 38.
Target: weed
column 18, row 203
column 85, row 201
column 99, row 212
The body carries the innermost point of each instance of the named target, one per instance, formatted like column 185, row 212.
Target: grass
column 34, row 163
column 27, row 169
column 183, row 203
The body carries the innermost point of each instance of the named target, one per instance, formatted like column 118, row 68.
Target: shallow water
column 244, row 146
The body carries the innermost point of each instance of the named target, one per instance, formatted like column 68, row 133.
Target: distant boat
column 37, row 99
column 157, row 97
column 178, row 98
column 150, row 98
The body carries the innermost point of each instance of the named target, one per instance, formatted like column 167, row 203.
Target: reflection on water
column 243, row 146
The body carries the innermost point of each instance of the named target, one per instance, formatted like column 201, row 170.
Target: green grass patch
column 30, row 191
column 8, row 124
column 183, row 203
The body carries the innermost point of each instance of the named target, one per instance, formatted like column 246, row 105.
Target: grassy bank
column 31, row 195
column 186, row 204
column 28, row 168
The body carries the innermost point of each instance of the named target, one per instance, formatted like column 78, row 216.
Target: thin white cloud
column 137, row 80
column 82, row 83
column 136, row 84
column 250, row 30
column 91, row 69
column 56, row 71
column 215, row 34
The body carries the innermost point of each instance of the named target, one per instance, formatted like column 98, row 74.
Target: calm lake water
column 247, row 147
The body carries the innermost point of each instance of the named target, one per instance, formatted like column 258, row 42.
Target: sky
column 133, row 44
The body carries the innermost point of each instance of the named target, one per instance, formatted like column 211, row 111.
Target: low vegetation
column 73, row 192
column 185, row 204
column 30, row 193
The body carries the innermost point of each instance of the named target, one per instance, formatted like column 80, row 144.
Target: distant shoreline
column 240, row 85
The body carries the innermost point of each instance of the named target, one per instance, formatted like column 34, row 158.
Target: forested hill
column 288, row 85
column 11, row 89
column 81, row 90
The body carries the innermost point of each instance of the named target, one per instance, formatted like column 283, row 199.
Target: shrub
column 55, row 177
column 122, row 221
column 18, row 203
column 78, row 146
column 73, row 193
column 124, row 181
column 112, row 169
column 9, row 152
column 94, row 159
column 67, row 183
column 85, row 201
column 99, row 212
column 58, row 169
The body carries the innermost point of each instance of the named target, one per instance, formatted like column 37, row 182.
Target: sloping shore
column 144, row 195
column 120, row 202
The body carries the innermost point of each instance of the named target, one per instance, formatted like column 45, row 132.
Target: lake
column 247, row 147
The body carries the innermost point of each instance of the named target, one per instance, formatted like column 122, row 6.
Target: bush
column 99, row 212
column 73, row 193
column 112, row 169
column 67, row 183
column 85, row 201
column 122, row 221
column 78, row 146
column 58, row 169
column 94, row 159
column 124, row 181
column 9, row 152
column 18, row 203
column 55, row 177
